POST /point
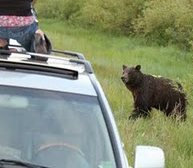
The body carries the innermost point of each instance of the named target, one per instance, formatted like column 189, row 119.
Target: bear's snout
column 123, row 79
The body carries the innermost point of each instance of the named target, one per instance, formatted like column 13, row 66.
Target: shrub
column 104, row 14
column 49, row 8
column 110, row 15
column 61, row 9
column 167, row 21
column 164, row 22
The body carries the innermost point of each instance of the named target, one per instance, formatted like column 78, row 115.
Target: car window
column 53, row 129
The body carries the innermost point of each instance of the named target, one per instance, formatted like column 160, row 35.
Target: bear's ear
column 138, row 67
column 124, row 67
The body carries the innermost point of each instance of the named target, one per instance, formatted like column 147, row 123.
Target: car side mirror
column 149, row 157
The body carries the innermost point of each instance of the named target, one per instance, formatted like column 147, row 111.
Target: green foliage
column 161, row 21
column 111, row 15
column 167, row 21
column 102, row 14
column 60, row 9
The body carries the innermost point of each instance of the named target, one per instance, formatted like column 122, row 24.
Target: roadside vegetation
column 134, row 42
column 162, row 22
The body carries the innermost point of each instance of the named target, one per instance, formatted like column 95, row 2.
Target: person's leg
column 30, row 37
column 3, row 33
column 23, row 35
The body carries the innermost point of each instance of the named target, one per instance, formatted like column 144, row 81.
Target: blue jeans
column 23, row 34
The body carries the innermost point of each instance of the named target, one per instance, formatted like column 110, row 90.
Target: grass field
column 107, row 53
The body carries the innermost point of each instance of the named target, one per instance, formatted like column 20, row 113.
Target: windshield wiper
column 7, row 162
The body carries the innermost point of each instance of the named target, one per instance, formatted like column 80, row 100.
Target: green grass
column 107, row 53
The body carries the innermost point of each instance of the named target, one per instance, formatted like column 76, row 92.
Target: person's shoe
column 40, row 44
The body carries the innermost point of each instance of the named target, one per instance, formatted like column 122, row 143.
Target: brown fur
column 154, row 92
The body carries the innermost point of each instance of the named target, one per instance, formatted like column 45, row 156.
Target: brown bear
column 154, row 92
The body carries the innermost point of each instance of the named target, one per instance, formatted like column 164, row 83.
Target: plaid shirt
column 16, row 21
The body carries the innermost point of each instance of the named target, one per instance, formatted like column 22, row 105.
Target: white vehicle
column 54, row 114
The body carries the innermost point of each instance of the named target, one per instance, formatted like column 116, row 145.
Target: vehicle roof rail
column 70, row 53
column 88, row 67
column 75, row 54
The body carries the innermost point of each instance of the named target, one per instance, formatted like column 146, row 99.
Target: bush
column 161, row 21
column 110, row 15
column 104, row 14
column 60, row 9
column 167, row 21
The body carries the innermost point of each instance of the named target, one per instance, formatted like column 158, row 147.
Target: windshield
column 54, row 129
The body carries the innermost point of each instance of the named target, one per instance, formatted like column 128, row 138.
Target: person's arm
column 33, row 7
column 33, row 3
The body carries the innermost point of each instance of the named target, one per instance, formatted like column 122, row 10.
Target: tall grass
column 107, row 53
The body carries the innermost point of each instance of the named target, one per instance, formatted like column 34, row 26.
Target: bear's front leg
column 134, row 115
column 141, row 108
column 137, row 113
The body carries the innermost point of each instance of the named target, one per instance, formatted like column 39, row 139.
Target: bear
column 154, row 92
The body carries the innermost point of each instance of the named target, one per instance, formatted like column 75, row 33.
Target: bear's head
column 132, row 76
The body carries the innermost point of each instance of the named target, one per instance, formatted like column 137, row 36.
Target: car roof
column 38, row 81
column 67, row 73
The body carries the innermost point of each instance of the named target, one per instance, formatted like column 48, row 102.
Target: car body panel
column 117, row 146
column 38, row 81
